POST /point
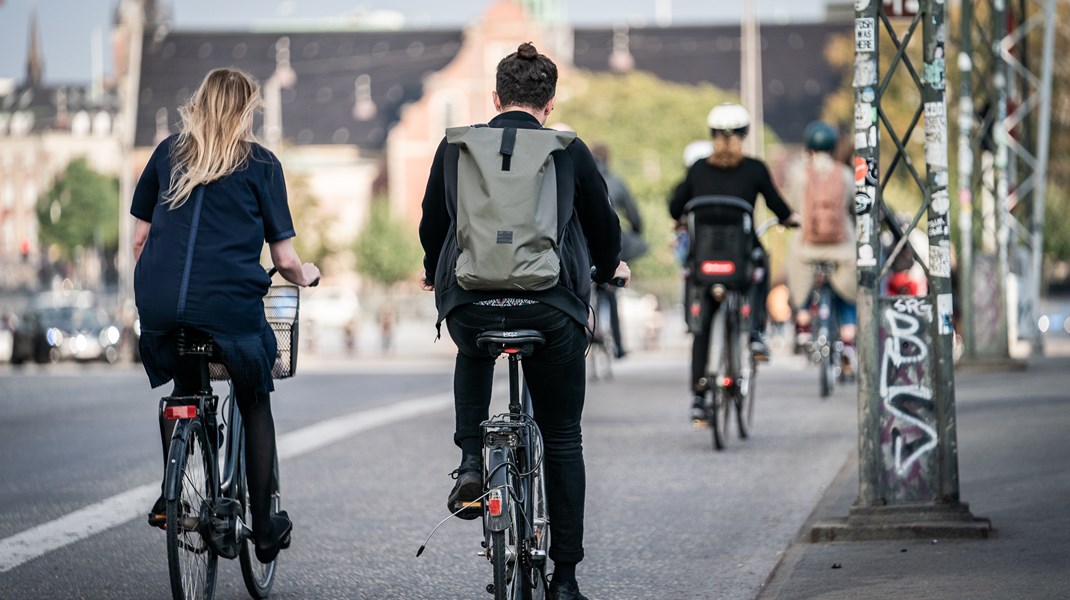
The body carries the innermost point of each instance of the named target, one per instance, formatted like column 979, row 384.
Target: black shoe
column 758, row 349
column 620, row 353
column 469, row 488
column 158, row 514
column 699, row 417
column 268, row 546
column 564, row 591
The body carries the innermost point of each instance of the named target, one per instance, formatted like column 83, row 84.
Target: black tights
column 255, row 409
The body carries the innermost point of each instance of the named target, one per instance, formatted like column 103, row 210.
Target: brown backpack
column 825, row 206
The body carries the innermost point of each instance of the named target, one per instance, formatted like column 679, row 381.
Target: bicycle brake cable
column 451, row 515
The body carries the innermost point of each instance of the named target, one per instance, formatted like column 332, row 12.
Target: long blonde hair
column 217, row 130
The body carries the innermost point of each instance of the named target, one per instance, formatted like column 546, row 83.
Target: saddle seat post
column 516, row 344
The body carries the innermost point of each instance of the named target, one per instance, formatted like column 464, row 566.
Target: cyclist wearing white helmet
column 727, row 172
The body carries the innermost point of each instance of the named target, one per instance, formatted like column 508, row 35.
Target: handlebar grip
column 618, row 282
column 315, row 282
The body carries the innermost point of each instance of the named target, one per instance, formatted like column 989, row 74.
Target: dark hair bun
column 527, row 51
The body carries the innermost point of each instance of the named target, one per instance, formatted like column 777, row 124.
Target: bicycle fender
column 499, row 478
column 172, row 477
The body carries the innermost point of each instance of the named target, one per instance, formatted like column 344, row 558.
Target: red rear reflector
column 727, row 381
column 494, row 504
column 745, row 310
column 512, row 350
column 179, row 412
column 718, row 267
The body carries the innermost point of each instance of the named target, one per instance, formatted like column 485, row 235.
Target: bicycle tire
column 191, row 563
column 259, row 577
column 745, row 403
column 540, row 519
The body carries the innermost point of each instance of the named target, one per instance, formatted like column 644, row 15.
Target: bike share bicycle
column 721, row 237
column 207, row 500
column 516, row 525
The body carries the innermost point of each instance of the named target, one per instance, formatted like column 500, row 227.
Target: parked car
column 59, row 328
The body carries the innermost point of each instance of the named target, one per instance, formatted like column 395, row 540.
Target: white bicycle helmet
column 696, row 151
column 728, row 119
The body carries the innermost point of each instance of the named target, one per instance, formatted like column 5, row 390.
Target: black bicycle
column 207, row 500
column 516, row 525
column 721, row 232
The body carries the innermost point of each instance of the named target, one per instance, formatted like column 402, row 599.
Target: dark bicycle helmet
column 821, row 137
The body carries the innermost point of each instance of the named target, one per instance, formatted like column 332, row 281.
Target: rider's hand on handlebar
column 311, row 274
column 425, row 285
column 623, row 273
column 793, row 220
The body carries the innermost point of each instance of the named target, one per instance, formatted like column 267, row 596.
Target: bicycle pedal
column 478, row 504
column 700, row 424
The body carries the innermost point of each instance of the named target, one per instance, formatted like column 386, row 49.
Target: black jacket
column 591, row 232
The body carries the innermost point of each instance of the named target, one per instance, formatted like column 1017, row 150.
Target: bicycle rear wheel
column 510, row 583
column 259, row 577
column 191, row 563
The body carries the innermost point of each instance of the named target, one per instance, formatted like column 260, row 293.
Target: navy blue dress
column 200, row 266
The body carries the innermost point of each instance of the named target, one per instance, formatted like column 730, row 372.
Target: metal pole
column 868, row 210
column 134, row 22
column 965, row 179
column 936, row 166
column 999, row 130
column 1040, row 197
column 750, row 78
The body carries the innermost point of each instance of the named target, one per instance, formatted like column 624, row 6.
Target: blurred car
column 61, row 328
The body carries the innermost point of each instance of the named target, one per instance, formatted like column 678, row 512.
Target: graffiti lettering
column 902, row 390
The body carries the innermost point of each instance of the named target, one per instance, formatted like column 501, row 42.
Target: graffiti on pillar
column 908, row 433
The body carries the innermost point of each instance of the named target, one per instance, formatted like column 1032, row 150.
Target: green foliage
column 80, row 210
column 645, row 122
column 386, row 250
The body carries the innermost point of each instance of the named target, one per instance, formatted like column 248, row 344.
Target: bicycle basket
column 280, row 309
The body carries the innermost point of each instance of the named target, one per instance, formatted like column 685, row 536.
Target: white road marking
column 131, row 504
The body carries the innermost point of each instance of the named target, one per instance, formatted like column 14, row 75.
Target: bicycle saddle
column 522, row 340
column 194, row 341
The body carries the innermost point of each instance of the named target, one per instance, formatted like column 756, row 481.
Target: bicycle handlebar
column 767, row 224
column 615, row 281
column 271, row 273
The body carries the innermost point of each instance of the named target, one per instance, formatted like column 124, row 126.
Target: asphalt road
column 367, row 446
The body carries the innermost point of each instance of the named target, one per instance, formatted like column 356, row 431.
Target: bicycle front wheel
column 258, row 576
column 191, row 563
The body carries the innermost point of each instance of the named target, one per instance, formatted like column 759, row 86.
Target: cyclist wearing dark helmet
column 824, row 191
column 727, row 172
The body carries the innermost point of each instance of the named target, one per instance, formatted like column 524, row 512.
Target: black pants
column 556, row 376
column 700, row 346
column 259, row 427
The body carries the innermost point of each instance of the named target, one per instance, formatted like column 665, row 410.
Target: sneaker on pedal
column 758, row 349
column 699, row 416
column 469, row 488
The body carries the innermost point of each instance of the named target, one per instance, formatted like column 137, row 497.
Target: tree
column 80, row 210
column 312, row 243
column 645, row 122
column 385, row 250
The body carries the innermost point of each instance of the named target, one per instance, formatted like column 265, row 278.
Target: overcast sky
column 66, row 26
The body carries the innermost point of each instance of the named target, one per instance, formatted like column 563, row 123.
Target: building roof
column 796, row 77
column 332, row 70
column 336, row 68
column 27, row 109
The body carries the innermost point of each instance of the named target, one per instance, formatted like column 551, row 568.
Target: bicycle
column 207, row 500
column 824, row 348
column 720, row 242
column 603, row 348
column 516, row 524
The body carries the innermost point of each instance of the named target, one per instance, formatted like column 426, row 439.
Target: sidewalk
column 1014, row 469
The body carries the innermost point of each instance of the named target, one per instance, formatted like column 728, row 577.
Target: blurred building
column 42, row 128
column 355, row 108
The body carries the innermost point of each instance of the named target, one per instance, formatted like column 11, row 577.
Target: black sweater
column 746, row 181
column 592, row 232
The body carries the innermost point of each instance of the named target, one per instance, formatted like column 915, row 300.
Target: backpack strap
column 506, row 150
